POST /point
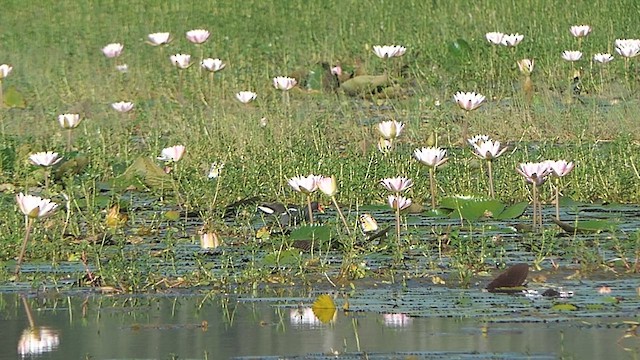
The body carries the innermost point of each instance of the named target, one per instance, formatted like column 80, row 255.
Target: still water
column 223, row 327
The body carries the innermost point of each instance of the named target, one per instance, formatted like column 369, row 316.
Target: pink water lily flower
column 284, row 83
column 197, row 36
column 69, row 121
column 468, row 101
column 159, row 38
column 246, row 97
column 570, row 55
column 173, row 153
column 48, row 158
column 560, row 168
column 305, row 184
column 535, row 173
column 580, row 30
column 182, row 61
column 212, row 65
column 122, row 106
column 112, row 50
column 328, row 185
column 35, row 206
column 5, row 70
column 398, row 202
column 397, row 184
column 488, row 149
column 431, row 156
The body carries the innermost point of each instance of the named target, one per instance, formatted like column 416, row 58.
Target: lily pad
column 14, row 99
column 365, row 84
column 459, row 48
column 585, row 226
column 148, row 172
column 311, row 232
column 472, row 208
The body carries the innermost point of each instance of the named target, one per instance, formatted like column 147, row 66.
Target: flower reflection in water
column 303, row 317
column 397, row 320
column 38, row 340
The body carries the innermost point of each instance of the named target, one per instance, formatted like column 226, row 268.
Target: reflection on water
column 209, row 327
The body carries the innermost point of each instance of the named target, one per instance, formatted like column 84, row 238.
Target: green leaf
column 472, row 208
column 459, row 48
column 280, row 258
column 564, row 307
column 365, row 84
column 13, row 98
column 147, row 171
column 311, row 232
column 513, row 211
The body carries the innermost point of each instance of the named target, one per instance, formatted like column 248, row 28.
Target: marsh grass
column 59, row 68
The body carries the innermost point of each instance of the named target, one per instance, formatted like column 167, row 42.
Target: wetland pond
column 424, row 313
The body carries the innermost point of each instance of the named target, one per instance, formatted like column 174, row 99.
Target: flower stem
column 27, row 232
column 310, row 209
column 432, row 183
column 490, row 172
column 398, row 220
column 557, row 198
column 344, row 221
column 535, row 207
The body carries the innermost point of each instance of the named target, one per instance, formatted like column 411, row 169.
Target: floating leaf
column 459, row 48
column 585, row 226
column 172, row 215
column 324, row 308
column 282, row 258
column 513, row 211
column 564, row 307
column 13, row 98
column 311, row 232
column 513, row 277
column 71, row 167
column 147, row 171
column 365, row 84
column 472, row 208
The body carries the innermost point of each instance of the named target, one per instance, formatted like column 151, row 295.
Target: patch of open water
column 223, row 327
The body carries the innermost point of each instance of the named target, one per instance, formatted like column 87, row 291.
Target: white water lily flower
column 397, row 184
column 173, row 153
column 48, row 158
column 212, row 65
column 602, row 58
column 112, row 50
column 468, row 100
column 284, row 83
column 431, row 156
column 35, row 206
column 580, row 30
column 494, row 37
column 197, row 36
column 122, row 106
column 570, row 55
column 182, row 61
column 159, row 38
column 246, row 97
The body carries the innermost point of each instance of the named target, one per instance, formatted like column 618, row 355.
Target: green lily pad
column 365, row 84
column 472, row 208
column 459, row 48
column 280, row 258
column 147, row 171
column 585, row 226
column 311, row 232
column 14, row 99
column 513, row 211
